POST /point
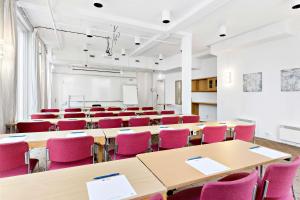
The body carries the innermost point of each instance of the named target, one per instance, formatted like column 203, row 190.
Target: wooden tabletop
column 234, row 154
column 71, row 183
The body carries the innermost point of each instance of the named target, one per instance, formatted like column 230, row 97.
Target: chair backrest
column 70, row 149
column 49, row 110
column 213, row 134
column 73, row 110
column 71, row 125
column 127, row 114
column 114, row 109
column 157, row 196
column 133, row 108
column 280, row 178
column 167, row 112
column 27, row 127
column 169, row 120
column 43, row 116
column 244, row 132
column 150, row 113
column 147, row 108
column 104, row 114
column 243, row 188
column 172, row 139
column 74, row 115
column 110, row 123
column 12, row 156
column 97, row 109
column 140, row 121
column 190, row 119
column 133, row 144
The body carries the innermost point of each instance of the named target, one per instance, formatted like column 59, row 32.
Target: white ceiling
column 143, row 18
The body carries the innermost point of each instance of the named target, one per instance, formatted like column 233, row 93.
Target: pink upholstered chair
column 243, row 132
column 74, row 115
column 27, row 127
column 150, row 113
column 95, row 109
column 15, row 160
column 64, row 125
column 129, row 145
column 172, row 139
column 190, row 119
column 169, row 120
column 141, row 121
column 127, row 114
column 73, row 110
column 114, row 109
column 104, row 114
column 211, row 134
column 167, row 112
column 147, row 108
column 70, row 152
column 43, row 116
column 156, row 197
column 49, row 110
column 241, row 189
column 277, row 182
column 133, row 108
column 110, row 123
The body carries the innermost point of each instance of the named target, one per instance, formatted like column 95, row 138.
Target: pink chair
column 150, row 113
column 27, row 127
column 49, row 110
column 167, row 112
column 65, row 125
column 73, row 110
column 74, row 115
column 133, row 108
column 277, row 183
column 241, row 189
column 243, row 132
column 156, row 197
column 169, row 120
column 70, row 152
column 172, row 139
column 110, row 123
column 43, row 116
column 190, row 119
column 114, row 109
column 147, row 108
column 127, row 114
column 14, row 159
column 96, row 109
column 141, row 121
column 211, row 134
column 104, row 114
column 129, row 145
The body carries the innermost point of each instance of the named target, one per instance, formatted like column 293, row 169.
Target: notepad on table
column 13, row 138
column 201, row 126
column 165, row 128
column 271, row 153
column 126, row 131
column 206, row 166
column 76, row 134
column 110, row 188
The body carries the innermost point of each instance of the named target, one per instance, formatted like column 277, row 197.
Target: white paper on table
column 201, row 126
column 207, row 166
column 76, row 134
column 111, row 188
column 271, row 153
column 166, row 128
column 126, row 131
column 13, row 139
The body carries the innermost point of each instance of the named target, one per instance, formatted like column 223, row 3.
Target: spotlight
column 85, row 48
column 137, row 40
column 89, row 33
column 222, row 31
column 123, row 52
column 92, row 56
column 160, row 57
column 295, row 4
column 157, row 63
column 166, row 16
column 98, row 3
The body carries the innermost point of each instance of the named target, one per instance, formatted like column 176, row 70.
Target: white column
column 186, row 74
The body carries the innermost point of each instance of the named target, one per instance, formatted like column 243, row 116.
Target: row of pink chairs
column 95, row 108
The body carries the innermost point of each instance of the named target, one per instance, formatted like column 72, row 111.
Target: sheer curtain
column 8, row 70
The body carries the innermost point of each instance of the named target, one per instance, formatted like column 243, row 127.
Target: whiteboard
column 130, row 96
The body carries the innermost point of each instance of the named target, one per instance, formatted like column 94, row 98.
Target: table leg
column 100, row 153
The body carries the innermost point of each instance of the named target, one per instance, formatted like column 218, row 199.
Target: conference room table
column 235, row 155
column 70, row 183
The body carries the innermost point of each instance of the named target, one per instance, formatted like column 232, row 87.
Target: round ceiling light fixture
column 166, row 16
column 222, row 31
column 85, row 48
column 137, row 40
column 88, row 33
column 123, row 52
column 160, row 57
column 98, row 3
column 295, row 4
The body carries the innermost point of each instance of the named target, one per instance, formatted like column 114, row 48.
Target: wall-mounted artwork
column 252, row 82
column 290, row 80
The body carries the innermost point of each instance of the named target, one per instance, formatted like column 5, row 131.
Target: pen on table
column 194, row 158
column 255, row 147
column 106, row 176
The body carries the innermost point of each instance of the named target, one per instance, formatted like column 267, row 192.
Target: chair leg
column 294, row 195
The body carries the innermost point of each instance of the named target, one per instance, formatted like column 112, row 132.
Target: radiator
column 289, row 133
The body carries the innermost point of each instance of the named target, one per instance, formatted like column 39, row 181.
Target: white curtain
column 8, row 71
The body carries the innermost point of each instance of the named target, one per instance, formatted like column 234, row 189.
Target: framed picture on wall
column 252, row 82
column 178, row 92
column 290, row 80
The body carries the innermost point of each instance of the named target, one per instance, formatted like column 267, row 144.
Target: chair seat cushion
column 19, row 170
column 188, row 194
column 118, row 156
column 60, row 165
column 33, row 163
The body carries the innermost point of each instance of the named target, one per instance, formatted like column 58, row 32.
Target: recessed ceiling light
column 295, row 4
column 123, row 52
column 85, row 47
column 160, row 57
column 117, row 58
column 137, row 61
column 137, row 40
column 98, row 3
column 89, row 33
column 166, row 16
column 222, row 31
column 157, row 63
column 92, row 56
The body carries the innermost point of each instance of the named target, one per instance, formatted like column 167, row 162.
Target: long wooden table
column 71, row 183
column 170, row 167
